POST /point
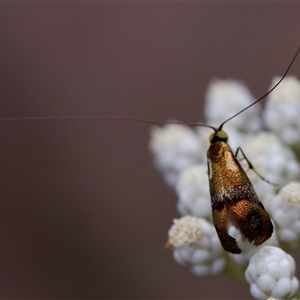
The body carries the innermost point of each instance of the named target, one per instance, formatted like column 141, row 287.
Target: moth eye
column 222, row 135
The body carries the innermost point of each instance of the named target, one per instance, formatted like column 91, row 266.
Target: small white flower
column 193, row 192
column 271, row 273
column 282, row 110
column 284, row 210
column 196, row 245
column 184, row 232
column 224, row 98
column 175, row 147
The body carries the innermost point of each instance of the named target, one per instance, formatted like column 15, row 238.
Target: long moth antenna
column 91, row 118
column 266, row 94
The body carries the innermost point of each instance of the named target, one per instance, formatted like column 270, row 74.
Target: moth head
column 218, row 136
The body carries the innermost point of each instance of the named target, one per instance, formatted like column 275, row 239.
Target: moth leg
column 251, row 166
column 220, row 219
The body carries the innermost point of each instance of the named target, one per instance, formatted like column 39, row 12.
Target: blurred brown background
column 84, row 213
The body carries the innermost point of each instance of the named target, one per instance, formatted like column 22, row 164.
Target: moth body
column 234, row 200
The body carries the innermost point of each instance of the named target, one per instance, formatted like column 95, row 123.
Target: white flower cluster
column 175, row 148
column 273, row 160
column 224, row 98
column 193, row 192
column 196, row 245
column 180, row 154
column 284, row 106
column 271, row 273
column 284, row 209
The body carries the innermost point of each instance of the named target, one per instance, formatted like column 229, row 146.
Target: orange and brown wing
column 234, row 201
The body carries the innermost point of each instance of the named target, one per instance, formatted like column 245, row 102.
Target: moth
column 233, row 198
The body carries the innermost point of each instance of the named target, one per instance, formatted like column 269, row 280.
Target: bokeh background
column 84, row 214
